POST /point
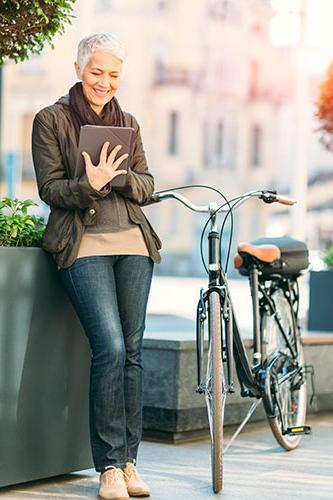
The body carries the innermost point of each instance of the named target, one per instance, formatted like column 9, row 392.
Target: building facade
column 213, row 97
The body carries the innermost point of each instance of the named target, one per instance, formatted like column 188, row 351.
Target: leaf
column 18, row 228
column 26, row 26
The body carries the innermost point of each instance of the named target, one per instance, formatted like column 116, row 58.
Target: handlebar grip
column 285, row 201
column 153, row 199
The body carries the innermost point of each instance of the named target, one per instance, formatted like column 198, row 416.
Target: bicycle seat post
column 253, row 276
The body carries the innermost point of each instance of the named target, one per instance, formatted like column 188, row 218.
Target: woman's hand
column 106, row 170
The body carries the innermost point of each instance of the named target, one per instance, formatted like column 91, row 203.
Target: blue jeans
column 110, row 295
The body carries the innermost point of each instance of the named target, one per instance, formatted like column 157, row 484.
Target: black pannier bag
column 294, row 256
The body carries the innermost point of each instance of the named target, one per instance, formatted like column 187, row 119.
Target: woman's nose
column 105, row 81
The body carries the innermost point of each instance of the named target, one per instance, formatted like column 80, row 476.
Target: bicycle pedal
column 293, row 431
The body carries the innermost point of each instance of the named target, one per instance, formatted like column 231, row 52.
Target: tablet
column 92, row 138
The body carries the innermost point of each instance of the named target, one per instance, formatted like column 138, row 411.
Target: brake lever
column 268, row 196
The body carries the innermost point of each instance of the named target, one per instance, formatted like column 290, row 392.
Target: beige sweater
column 127, row 242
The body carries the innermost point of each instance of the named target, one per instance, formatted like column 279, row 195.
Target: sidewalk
column 255, row 468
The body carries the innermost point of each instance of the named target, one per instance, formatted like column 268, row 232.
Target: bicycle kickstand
column 250, row 412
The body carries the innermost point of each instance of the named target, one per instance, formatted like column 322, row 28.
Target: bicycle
column 277, row 376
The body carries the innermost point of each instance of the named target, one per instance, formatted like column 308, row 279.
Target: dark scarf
column 83, row 114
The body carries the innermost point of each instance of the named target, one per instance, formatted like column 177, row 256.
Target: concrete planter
column 174, row 412
column 44, row 372
column 320, row 308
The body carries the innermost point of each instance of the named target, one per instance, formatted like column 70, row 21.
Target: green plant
column 27, row 25
column 328, row 257
column 17, row 227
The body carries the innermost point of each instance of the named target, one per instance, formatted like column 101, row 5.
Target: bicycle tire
column 215, row 397
column 292, row 401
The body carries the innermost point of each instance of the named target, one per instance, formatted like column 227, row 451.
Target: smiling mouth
column 101, row 93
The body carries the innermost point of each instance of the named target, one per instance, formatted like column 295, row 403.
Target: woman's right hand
column 99, row 175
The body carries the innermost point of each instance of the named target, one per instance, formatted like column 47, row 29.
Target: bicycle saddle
column 266, row 253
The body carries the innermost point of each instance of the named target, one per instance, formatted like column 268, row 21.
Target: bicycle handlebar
column 267, row 196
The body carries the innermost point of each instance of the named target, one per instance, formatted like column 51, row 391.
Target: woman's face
column 100, row 79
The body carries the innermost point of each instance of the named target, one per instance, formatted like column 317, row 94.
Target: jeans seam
column 74, row 287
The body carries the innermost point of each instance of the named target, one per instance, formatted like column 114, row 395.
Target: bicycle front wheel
column 289, row 396
column 215, row 397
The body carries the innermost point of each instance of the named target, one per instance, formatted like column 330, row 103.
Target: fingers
column 113, row 154
column 119, row 172
column 103, row 153
column 121, row 158
column 87, row 159
column 106, row 161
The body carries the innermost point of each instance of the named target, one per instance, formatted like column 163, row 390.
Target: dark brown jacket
column 73, row 201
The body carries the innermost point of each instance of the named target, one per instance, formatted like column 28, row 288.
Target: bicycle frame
column 252, row 384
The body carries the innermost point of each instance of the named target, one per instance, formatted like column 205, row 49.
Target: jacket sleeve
column 139, row 181
column 54, row 186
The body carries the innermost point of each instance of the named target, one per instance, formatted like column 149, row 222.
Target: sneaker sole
column 139, row 493
column 117, row 498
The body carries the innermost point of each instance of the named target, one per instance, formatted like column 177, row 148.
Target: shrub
column 325, row 109
column 328, row 258
column 17, row 227
column 27, row 25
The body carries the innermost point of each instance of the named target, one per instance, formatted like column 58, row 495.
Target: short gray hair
column 107, row 42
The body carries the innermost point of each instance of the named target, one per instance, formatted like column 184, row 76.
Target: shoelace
column 131, row 472
column 113, row 476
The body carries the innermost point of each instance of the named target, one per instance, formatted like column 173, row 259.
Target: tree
column 325, row 109
column 27, row 25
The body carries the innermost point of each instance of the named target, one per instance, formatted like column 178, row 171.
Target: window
column 230, row 148
column 256, row 145
column 218, row 9
column 219, row 142
column 102, row 5
column 254, row 80
column 173, row 132
column 159, row 72
column 205, row 145
column 161, row 4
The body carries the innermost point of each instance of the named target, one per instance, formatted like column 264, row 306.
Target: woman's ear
column 77, row 70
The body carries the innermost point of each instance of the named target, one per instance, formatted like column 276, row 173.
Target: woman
column 105, row 249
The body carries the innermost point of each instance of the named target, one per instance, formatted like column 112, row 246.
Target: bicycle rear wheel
column 287, row 394
column 215, row 396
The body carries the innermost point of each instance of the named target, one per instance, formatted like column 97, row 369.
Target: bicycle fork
column 227, row 346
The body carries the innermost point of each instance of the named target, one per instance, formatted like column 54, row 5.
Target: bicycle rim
column 289, row 397
column 215, row 397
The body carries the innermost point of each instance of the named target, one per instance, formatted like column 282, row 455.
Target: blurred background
column 225, row 92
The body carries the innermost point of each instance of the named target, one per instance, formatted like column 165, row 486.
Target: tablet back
column 92, row 138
